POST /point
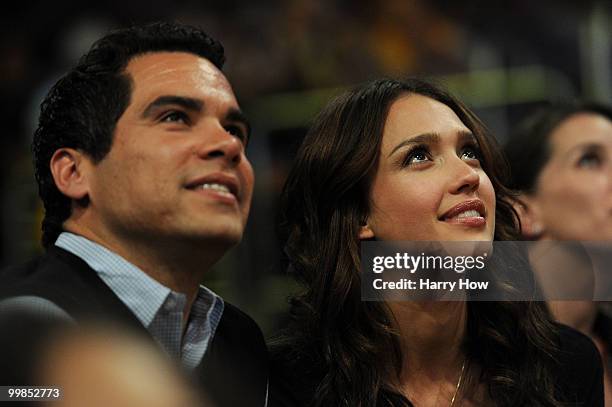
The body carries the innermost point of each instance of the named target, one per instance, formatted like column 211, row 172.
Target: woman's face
column 573, row 196
column 429, row 184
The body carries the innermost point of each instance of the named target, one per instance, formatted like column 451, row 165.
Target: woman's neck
column 431, row 334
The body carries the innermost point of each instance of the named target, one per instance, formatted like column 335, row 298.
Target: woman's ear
column 69, row 174
column 528, row 211
column 366, row 233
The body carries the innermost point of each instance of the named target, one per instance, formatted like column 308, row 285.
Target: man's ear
column 528, row 210
column 366, row 232
column 69, row 173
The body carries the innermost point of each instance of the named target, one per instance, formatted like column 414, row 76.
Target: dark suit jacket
column 234, row 370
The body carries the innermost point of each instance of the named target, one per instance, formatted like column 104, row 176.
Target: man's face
column 177, row 167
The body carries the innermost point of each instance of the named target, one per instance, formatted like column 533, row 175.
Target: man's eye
column 236, row 131
column 175, row 117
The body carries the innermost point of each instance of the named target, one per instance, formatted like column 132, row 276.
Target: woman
column 390, row 160
column 561, row 160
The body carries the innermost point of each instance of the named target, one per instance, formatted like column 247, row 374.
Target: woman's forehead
column 412, row 115
column 581, row 128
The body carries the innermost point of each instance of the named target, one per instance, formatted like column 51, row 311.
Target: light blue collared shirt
column 157, row 307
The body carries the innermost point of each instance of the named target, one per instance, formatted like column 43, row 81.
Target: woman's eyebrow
column 465, row 136
column 429, row 138
column 585, row 146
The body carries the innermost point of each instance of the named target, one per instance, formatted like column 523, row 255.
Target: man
column 141, row 166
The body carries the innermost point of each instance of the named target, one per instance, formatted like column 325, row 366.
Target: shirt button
column 170, row 304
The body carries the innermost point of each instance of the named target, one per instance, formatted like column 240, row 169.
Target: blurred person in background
column 404, row 160
column 90, row 364
column 140, row 161
column 104, row 366
column 561, row 163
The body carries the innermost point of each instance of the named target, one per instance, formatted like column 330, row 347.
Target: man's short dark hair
column 82, row 109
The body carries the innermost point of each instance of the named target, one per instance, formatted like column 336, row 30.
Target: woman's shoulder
column 578, row 350
column 580, row 369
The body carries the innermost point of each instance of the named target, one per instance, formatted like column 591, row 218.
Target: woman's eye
column 416, row 156
column 175, row 117
column 470, row 153
column 589, row 160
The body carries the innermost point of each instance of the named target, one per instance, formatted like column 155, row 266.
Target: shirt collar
column 142, row 294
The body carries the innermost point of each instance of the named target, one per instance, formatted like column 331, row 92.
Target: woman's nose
column 465, row 178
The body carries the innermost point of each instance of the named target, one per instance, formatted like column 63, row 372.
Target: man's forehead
column 176, row 72
column 166, row 62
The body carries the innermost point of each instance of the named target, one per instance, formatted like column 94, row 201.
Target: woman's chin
column 459, row 232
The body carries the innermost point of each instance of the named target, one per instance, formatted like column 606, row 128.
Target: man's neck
column 180, row 266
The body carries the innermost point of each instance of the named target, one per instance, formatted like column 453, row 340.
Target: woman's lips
column 468, row 213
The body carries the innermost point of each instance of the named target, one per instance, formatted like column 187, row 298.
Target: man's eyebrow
column 236, row 116
column 185, row 102
column 429, row 138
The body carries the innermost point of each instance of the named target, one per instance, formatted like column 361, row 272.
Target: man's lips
column 469, row 213
column 220, row 183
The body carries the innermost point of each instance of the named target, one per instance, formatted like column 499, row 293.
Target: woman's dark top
column 294, row 378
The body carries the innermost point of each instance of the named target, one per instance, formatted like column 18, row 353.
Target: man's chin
column 227, row 236
column 198, row 238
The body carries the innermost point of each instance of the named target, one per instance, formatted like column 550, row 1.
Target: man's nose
column 218, row 143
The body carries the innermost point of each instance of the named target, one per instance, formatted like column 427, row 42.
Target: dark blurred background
column 285, row 60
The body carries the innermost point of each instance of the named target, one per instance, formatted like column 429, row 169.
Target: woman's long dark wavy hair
column 353, row 346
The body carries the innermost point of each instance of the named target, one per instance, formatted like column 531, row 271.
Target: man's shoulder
column 238, row 331
column 65, row 280
column 54, row 258
column 19, row 271
column 236, row 359
column 30, row 278
column 48, row 272
column 236, row 320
